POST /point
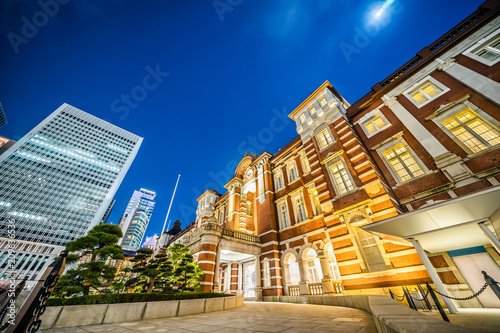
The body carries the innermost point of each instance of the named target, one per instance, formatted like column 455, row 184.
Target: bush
column 128, row 298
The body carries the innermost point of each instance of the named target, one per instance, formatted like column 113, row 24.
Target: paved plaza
column 252, row 317
column 486, row 320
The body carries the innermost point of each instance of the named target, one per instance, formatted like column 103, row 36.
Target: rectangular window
column 341, row 178
column 312, row 110
column 305, row 165
column 425, row 93
column 371, row 251
column 300, row 209
column 402, row 162
column 302, row 118
column 283, row 210
column 279, row 181
column 324, row 138
column 322, row 101
column 292, row 173
column 375, row 124
column 474, row 132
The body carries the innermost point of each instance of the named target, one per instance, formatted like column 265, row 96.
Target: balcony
column 232, row 233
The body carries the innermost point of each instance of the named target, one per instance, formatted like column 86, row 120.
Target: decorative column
column 207, row 256
column 216, row 287
column 480, row 83
column 303, row 289
column 433, row 274
column 491, row 237
column 258, row 279
column 240, row 279
column 326, row 282
column 287, row 282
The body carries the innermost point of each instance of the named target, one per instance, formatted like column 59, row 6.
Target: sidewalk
column 486, row 320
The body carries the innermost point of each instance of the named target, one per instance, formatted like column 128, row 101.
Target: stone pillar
column 326, row 281
column 240, row 279
column 303, row 288
column 491, row 237
column 216, row 287
column 433, row 274
column 207, row 256
column 480, row 83
column 234, row 278
column 258, row 279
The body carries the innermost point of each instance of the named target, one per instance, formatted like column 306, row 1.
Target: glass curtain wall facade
column 57, row 182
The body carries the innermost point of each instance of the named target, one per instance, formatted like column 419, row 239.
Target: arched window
column 332, row 261
column 313, row 267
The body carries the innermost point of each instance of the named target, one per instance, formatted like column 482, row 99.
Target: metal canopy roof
column 450, row 225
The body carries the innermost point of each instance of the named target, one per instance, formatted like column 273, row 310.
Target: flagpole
column 170, row 206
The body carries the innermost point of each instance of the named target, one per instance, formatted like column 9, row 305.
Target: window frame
column 482, row 44
column 392, row 143
column 295, row 197
column 369, row 117
column 283, row 223
column 289, row 166
column 428, row 79
column 333, row 163
column 459, row 106
column 278, row 175
column 323, row 146
column 305, row 162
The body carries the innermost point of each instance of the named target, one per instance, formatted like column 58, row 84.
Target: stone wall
column 80, row 315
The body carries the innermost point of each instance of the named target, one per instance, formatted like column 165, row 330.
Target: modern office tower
column 108, row 212
column 3, row 119
column 135, row 219
column 56, row 184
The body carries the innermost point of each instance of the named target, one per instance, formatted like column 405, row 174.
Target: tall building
column 135, row 219
column 3, row 119
column 5, row 144
column 56, row 184
column 400, row 188
column 108, row 212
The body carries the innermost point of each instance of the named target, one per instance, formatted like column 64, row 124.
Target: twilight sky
column 202, row 81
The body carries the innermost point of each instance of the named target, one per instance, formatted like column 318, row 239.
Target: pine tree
column 186, row 273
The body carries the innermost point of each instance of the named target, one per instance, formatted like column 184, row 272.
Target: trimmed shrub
column 128, row 298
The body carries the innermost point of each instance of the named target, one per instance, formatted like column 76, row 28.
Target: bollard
column 492, row 283
column 436, row 301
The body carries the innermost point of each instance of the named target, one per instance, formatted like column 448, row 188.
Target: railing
column 315, row 288
column 232, row 233
column 338, row 287
column 293, row 291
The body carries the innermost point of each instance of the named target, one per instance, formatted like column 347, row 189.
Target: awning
column 445, row 226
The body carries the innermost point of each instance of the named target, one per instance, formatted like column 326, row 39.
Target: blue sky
column 221, row 74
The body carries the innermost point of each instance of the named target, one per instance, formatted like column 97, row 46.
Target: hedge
column 128, row 298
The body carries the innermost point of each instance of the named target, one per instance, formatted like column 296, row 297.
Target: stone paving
column 486, row 320
column 251, row 317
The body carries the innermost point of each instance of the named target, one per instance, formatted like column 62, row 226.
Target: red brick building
column 350, row 204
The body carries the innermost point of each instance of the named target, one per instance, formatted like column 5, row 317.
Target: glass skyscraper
column 56, row 184
column 3, row 119
column 135, row 219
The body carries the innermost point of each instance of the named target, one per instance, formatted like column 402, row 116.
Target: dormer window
column 302, row 118
column 312, row 110
column 322, row 101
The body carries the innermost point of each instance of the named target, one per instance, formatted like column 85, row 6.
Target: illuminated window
column 267, row 273
column 292, row 172
column 305, row 164
column 249, row 208
column 486, row 50
column 312, row 110
column 325, row 138
column 402, row 162
column 315, row 201
column 375, row 124
column 322, row 101
column 302, row 118
column 491, row 51
column 283, row 215
column 332, row 262
column 371, row 251
column 425, row 93
column 341, row 178
column 473, row 131
column 278, row 178
column 300, row 209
